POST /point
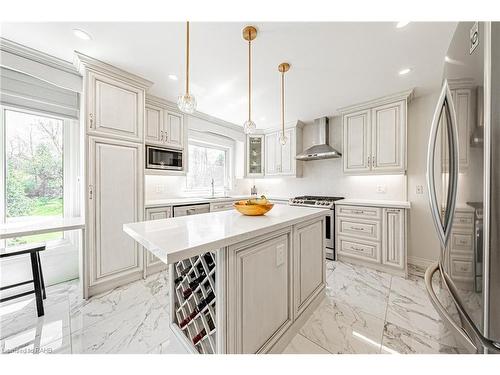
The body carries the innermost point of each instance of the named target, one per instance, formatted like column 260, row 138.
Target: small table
column 57, row 224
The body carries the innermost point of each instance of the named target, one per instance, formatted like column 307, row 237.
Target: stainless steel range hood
column 322, row 150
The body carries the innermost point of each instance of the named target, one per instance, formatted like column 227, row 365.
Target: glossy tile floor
column 365, row 311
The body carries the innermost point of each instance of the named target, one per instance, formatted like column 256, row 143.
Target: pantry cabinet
column 374, row 136
column 151, row 263
column 372, row 236
column 164, row 126
column 113, row 111
column 115, row 197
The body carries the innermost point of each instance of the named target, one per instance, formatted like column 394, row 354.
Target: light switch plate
column 280, row 255
column 381, row 189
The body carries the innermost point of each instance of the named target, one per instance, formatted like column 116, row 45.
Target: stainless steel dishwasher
column 192, row 209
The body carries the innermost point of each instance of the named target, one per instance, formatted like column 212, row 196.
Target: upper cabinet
column 164, row 125
column 113, row 100
column 255, row 155
column 267, row 157
column 374, row 136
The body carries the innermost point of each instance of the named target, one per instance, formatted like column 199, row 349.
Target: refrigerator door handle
column 445, row 102
column 462, row 336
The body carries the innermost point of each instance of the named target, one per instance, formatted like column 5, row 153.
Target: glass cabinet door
column 255, row 155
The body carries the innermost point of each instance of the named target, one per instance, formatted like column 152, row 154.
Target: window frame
column 70, row 164
column 228, row 150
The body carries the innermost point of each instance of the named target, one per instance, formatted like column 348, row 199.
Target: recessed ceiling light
column 404, row 71
column 82, row 34
column 173, row 77
column 402, row 24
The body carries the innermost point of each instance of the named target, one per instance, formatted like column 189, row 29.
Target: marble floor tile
column 364, row 289
column 397, row 340
column 138, row 330
column 329, row 268
column 85, row 313
column 301, row 345
column 341, row 328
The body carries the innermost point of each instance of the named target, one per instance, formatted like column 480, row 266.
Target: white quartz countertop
column 197, row 200
column 374, row 203
column 178, row 238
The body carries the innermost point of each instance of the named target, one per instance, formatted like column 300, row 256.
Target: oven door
column 163, row 158
column 329, row 236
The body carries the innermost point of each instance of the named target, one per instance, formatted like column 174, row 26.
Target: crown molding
column 20, row 50
column 84, row 62
column 461, row 83
column 402, row 95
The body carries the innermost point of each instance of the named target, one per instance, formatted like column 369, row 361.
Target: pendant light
column 249, row 34
column 187, row 102
column 283, row 68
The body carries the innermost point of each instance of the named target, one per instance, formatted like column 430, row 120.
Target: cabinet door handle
column 374, row 161
column 161, row 135
column 166, row 136
column 91, row 192
column 91, row 120
column 358, row 228
column 368, row 161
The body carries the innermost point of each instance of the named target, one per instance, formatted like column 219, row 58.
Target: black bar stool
column 36, row 270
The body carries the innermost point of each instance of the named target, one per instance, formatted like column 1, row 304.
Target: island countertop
column 175, row 239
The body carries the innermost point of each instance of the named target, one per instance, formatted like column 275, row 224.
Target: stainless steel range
column 326, row 203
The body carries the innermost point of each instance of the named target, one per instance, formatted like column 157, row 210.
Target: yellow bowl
column 253, row 209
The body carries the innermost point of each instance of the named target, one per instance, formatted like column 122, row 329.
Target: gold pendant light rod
column 283, row 68
column 249, row 34
column 187, row 102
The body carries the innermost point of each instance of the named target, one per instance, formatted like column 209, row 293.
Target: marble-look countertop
column 374, row 203
column 197, row 200
column 178, row 238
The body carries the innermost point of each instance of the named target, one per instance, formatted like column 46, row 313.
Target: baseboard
column 417, row 265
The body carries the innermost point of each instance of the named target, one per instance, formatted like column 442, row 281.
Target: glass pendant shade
column 249, row 127
column 283, row 139
column 186, row 103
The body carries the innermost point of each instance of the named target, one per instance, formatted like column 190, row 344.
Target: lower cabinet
column 115, row 197
column 375, row 236
column 221, row 206
column 271, row 282
column 151, row 263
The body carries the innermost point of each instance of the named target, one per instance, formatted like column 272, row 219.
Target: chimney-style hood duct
column 322, row 150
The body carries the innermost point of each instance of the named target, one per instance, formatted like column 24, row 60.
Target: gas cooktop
column 314, row 201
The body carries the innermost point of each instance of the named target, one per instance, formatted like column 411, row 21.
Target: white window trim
column 229, row 163
column 71, row 173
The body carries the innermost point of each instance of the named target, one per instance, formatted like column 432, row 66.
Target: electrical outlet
column 159, row 188
column 280, row 255
column 381, row 189
column 420, row 189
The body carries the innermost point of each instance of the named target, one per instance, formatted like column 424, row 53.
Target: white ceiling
column 332, row 64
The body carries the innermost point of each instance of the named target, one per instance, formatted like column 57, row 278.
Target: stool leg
column 35, row 269
column 41, row 275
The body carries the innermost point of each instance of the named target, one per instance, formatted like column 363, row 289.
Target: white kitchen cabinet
column 393, row 237
column 115, row 108
column 357, row 146
column 254, row 155
column 374, row 136
column 309, row 263
column 115, row 197
column 372, row 236
column 259, row 285
column 280, row 159
column 388, row 137
column 151, row 263
column 164, row 126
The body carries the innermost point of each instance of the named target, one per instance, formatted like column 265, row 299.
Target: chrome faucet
column 213, row 188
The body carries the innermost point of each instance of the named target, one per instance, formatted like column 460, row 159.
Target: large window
column 33, row 170
column 207, row 162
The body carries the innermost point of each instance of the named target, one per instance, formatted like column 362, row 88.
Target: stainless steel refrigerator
column 463, row 177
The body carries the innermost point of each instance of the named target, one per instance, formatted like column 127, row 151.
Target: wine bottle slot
column 199, row 336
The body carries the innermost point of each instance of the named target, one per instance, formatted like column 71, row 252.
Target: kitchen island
column 239, row 284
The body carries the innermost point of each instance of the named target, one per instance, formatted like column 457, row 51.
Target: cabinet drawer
column 223, row 206
column 462, row 241
column 366, row 250
column 463, row 219
column 367, row 229
column 359, row 211
column 461, row 268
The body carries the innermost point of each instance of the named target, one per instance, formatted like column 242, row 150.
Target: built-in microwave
column 164, row 158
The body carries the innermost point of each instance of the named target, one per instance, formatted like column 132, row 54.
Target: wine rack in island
column 194, row 296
